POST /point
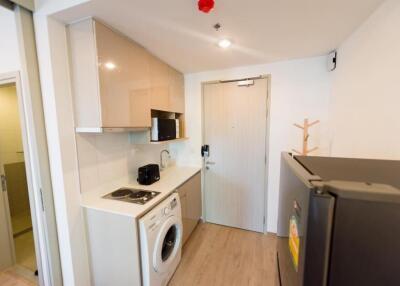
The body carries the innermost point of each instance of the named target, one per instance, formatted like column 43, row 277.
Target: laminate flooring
column 17, row 276
column 222, row 256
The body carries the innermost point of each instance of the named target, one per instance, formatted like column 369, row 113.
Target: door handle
column 3, row 183
column 210, row 163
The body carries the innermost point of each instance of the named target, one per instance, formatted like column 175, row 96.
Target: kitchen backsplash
column 109, row 161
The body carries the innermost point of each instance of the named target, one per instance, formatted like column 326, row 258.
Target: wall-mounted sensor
column 332, row 59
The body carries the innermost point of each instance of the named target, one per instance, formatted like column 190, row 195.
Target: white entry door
column 235, row 124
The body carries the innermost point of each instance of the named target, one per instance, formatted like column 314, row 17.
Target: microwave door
column 163, row 129
column 166, row 129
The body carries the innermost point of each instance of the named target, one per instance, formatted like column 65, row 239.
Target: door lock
column 205, row 151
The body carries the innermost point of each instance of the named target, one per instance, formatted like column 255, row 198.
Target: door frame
column 266, row 177
column 42, row 229
column 13, row 78
column 27, row 81
column 50, row 272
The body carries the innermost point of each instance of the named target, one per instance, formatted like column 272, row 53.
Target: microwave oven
column 163, row 129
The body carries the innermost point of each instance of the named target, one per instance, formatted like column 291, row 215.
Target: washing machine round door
column 168, row 244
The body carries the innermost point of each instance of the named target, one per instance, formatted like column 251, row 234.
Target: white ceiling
column 262, row 31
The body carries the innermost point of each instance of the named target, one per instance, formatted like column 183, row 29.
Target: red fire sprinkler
column 206, row 5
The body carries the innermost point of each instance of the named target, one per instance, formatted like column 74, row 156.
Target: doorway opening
column 17, row 258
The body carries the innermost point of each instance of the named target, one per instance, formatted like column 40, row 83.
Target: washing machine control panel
column 174, row 203
column 166, row 210
column 160, row 213
column 154, row 222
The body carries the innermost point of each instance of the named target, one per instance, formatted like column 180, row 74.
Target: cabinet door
column 124, row 80
column 193, row 194
column 185, row 220
column 190, row 196
column 84, row 74
column 160, row 78
column 176, row 92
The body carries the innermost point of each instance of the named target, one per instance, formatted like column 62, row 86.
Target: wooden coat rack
column 306, row 135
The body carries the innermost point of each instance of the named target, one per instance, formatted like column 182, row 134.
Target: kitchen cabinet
column 110, row 78
column 160, row 81
column 167, row 87
column 191, row 204
column 176, row 92
column 116, row 83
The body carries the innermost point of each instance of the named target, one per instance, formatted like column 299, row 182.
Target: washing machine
column 161, row 241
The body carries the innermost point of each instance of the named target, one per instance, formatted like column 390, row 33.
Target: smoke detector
column 206, row 6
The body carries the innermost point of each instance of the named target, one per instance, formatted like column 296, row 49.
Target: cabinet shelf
column 168, row 141
column 110, row 129
column 143, row 138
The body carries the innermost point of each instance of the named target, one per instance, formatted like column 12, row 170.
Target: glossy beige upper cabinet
column 167, row 87
column 176, row 92
column 160, row 82
column 110, row 78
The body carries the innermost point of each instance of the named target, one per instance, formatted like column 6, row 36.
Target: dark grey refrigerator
column 339, row 222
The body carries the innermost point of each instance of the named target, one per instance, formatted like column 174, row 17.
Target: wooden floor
column 221, row 256
column 17, row 276
column 25, row 251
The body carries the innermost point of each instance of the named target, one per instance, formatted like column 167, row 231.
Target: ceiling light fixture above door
column 206, row 6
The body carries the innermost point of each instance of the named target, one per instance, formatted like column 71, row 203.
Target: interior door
column 6, row 238
column 235, row 124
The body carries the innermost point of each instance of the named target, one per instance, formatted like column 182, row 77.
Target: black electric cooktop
column 131, row 195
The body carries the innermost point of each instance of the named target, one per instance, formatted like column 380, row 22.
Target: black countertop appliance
column 339, row 222
column 148, row 174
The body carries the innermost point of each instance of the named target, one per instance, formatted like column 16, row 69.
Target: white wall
column 299, row 89
column 9, row 56
column 366, row 88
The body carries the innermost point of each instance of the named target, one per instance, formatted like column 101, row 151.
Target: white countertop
column 171, row 179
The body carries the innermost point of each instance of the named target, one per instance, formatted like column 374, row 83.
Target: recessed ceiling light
column 110, row 65
column 224, row 43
